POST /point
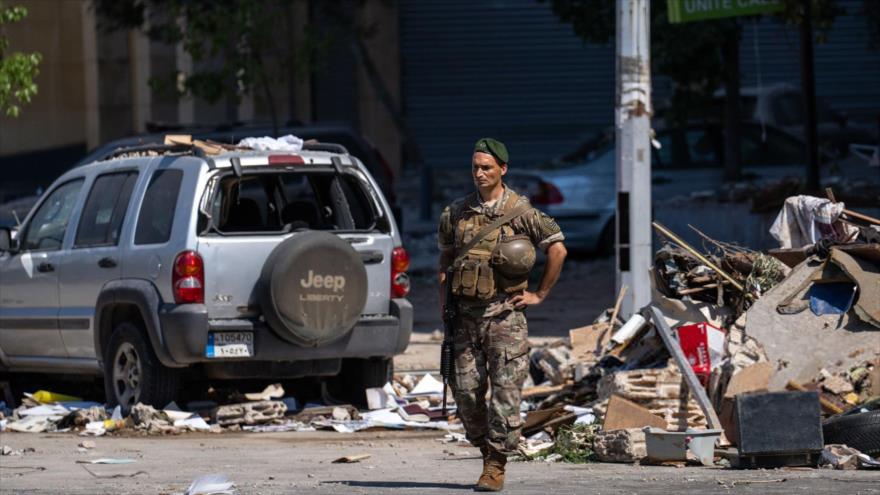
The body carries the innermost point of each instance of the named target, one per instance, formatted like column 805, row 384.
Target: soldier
column 488, row 241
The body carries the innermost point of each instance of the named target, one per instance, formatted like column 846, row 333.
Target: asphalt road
column 400, row 462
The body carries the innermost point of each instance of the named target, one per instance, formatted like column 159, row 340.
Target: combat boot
column 492, row 479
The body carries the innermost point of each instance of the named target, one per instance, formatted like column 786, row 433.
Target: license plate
column 230, row 344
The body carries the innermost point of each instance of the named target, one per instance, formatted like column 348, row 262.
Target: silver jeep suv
column 161, row 263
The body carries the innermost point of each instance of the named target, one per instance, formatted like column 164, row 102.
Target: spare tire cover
column 314, row 288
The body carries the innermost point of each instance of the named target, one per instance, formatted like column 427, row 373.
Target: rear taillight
column 188, row 278
column 286, row 160
column 399, row 278
column 547, row 194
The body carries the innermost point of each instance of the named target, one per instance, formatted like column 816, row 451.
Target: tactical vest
column 476, row 274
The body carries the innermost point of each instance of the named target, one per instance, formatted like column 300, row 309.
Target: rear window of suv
column 280, row 202
column 157, row 210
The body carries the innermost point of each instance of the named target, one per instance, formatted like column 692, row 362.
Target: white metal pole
column 633, row 152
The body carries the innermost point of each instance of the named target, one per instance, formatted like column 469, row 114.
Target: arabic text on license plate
column 230, row 344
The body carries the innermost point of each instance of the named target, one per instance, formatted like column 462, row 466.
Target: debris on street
column 734, row 344
column 726, row 324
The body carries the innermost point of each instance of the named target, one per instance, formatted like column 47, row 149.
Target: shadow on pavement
column 402, row 484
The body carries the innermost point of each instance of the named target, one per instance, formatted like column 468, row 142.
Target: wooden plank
column 622, row 414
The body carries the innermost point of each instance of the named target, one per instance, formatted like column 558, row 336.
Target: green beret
column 493, row 147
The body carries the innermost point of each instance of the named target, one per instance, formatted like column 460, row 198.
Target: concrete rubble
column 774, row 338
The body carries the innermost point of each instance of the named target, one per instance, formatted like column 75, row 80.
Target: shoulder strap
column 510, row 215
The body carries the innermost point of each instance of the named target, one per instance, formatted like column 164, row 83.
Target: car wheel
column 860, row 431
column 357, row 375
column 133, row 373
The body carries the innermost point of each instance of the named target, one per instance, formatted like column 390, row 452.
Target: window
column 47, row 228
column 157, row 210
column 104, row 211
column 288, row 201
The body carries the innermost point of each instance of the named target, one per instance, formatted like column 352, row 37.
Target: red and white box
column 703, row 346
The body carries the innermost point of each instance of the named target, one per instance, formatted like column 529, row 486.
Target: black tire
column 860, row 431
column 357, row 375
column 307, row 313
column 133, row 373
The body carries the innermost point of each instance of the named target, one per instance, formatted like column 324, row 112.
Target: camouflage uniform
column 491, row 337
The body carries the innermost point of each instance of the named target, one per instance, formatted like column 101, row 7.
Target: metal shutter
column 506, row 69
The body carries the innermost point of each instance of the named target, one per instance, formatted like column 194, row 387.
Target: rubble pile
column 725, row 323
column 407, row 402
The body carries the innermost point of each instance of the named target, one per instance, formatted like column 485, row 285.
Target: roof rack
column 199, row 152
column 329, row 147
column 156, row 147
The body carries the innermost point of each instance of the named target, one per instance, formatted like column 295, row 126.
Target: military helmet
column 514, row 256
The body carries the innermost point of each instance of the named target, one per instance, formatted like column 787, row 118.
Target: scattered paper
column 45, row 410
column 32, row 424
column 107, row 460
column 428, row 385
column 195, row 423
column 211, row 484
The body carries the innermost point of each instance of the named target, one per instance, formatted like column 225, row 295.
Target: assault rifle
column 447, row 357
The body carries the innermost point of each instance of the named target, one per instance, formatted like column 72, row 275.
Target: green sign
column 701, row 10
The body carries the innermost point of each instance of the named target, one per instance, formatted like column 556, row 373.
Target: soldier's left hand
column 520, row 301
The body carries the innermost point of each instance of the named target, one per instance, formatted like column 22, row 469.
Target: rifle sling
column 510, row 215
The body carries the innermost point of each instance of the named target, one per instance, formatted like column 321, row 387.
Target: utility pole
column 633, row 152
column 808, row 88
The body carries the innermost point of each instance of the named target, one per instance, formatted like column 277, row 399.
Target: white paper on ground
column 289, row 426
column 195, row 423
column 107, row 460
column 117, row 413
column 585, row 415
column 388, row 418
column 32, row 424
column 379, row 398
column 94, row 428
column 211, row 484
column 428, row 385
column 45, row 410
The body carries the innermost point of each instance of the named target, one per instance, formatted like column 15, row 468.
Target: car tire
column 860, row 431
column 357, row 375
column 133, row 373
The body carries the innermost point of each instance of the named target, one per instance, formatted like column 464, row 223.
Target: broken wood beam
column 668, row 233
column 544, row 390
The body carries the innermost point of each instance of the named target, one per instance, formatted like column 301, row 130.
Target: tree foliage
column 17, row 70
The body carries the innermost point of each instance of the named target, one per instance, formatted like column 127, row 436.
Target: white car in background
column 579, row 189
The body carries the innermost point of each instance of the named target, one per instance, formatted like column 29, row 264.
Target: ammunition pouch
column 474, row 277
